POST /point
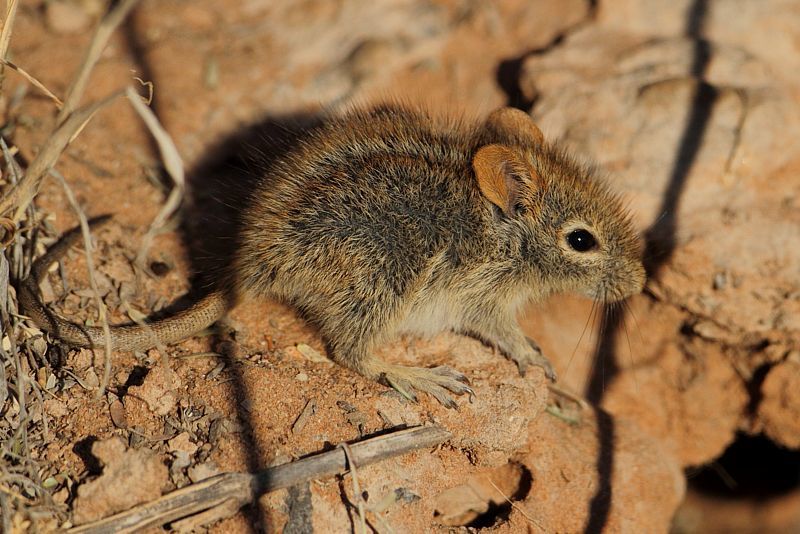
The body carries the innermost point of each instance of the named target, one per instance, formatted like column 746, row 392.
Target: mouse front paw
column 437, row 382
column 533, row 356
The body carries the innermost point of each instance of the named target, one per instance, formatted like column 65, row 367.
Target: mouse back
column 377, row 200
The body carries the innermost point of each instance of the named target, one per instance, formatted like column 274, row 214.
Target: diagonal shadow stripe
column 660, row 242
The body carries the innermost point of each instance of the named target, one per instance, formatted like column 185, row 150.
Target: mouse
column 389, row 220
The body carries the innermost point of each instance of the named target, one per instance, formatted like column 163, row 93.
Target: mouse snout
column 627, row 281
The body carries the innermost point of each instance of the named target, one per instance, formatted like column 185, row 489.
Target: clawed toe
column 436, row 382
column 402, row 386
column 546, row 366
column 535, row 358
column 549, row 372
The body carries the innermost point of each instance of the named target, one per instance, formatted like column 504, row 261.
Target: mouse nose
column 628, row 280
column 635, row 280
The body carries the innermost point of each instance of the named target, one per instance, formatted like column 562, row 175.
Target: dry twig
column 101, row 306
column 102, row 34
column 22, row 194
column 356, row 487
column 243, row 488
column 5, row 34
column 33, row 81
column 172, row 163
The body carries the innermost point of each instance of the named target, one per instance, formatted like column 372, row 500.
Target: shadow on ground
column 660, row 242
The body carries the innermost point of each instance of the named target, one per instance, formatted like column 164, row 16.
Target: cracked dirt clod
column 159, row 389
column 487, row 489
column 779, row 411
column 129, row 477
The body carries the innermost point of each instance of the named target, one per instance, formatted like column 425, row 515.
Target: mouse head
column 565, row 226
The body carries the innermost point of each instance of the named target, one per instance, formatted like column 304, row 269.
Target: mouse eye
column 520, row 209
column 581, row 240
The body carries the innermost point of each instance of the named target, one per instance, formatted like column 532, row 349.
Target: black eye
column 581, row 240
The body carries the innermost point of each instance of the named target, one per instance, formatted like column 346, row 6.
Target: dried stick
column 172, row 163
column 101, row 306
column 356, row 487
column 107, row 25
column 243, row 488
column 70, row 121
column 5, row 34
column 33, row 81
column 22, row 194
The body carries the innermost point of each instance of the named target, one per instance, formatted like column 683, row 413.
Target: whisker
column 636, row 324
column 604, row 331
column 659, row 218
column 607, row 331
column 626, row 309
column 593, row 314
column 580, row 338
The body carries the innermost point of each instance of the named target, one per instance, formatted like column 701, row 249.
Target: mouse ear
column 515, row 123
column 501, row 176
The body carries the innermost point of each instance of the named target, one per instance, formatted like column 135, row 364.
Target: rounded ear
column 514, row 123
column 502, row 176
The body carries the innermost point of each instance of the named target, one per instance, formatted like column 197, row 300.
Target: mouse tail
column 168, row 330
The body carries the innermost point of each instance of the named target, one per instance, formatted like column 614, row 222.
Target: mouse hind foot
column 436, row 381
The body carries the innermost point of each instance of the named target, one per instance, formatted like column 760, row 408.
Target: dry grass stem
column 356, row 487
column 34, row 82
column 37, row 390
column 5, row 34
column 102, row 34
column 9, row 229
column 387, row 528
column 172, row 163
column 150, row 90
column 23, row 193
column 514, row 505
column 101, row 306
